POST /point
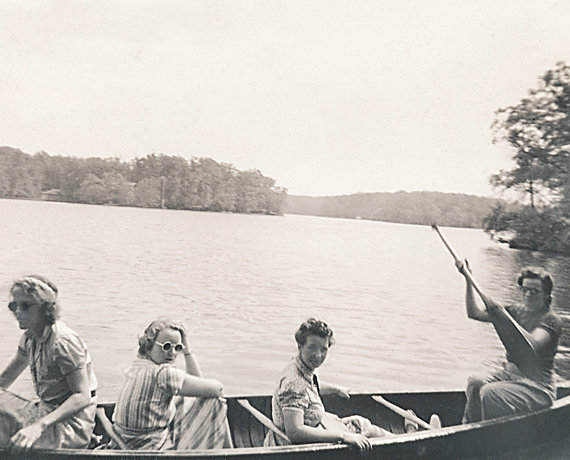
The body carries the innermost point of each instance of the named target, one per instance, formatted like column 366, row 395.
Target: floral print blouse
column 297, row 389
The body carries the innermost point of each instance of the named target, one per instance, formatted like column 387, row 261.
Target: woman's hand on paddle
column 463, row 266
column 490, row 304
column 358, row 440
column 27, row 436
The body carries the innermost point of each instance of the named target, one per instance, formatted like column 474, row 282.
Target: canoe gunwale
column 474, row 431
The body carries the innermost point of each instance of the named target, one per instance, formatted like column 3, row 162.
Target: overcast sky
column 326, row 97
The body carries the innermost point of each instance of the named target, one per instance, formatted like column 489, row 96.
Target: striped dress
column 150, row 415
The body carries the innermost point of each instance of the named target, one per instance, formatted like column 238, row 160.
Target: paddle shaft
column 466, row 271
column 262, row 418
column 404, row 413
column 510, row 332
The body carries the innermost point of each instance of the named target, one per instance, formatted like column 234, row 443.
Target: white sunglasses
column 166, row 346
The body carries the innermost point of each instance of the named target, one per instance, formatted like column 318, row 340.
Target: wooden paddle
column 509, row 331
column 468, row 273
column 404, row 413
column 262, row 418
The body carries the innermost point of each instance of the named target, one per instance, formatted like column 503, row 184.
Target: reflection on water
column 244, row 283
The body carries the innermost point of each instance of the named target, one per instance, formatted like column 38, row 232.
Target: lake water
column 244, row 283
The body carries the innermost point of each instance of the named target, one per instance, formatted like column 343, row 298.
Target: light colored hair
column 42, row 291
column 146, row 341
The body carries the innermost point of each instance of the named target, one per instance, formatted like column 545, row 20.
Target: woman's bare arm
column 80, row 398
column 299, row 433
column 13, row 370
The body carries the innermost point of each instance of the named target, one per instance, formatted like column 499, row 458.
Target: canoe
column 544, row 434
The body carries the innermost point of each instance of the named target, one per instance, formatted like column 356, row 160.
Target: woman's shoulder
column 145, row 366
column 289, row 371
column 142, row 365
column 65, row 339
column 292, row 379
column 552, row 321
column 168, row 369
column 62, row 332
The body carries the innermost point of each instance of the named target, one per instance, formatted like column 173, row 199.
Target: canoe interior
column 248, row 432
column 525, row 437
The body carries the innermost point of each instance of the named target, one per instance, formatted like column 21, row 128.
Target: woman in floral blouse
column 297, row 408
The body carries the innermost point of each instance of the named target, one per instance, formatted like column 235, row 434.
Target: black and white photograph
column 285, row 230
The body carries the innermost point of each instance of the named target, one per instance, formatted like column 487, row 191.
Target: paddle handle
column 466, row 271
column 404, row 413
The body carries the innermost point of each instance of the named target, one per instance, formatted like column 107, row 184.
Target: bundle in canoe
column 544, row 434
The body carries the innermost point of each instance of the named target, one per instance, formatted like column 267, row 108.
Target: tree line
column 152, row 181
column 422, row 208
column 538, row 131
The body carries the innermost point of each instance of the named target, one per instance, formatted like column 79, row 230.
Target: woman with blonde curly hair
column 61, row 370
column 154, row 410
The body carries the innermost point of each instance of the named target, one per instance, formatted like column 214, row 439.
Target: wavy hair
column 146, row 341
column 44, row 293
column 540, row 274
column 313, row 326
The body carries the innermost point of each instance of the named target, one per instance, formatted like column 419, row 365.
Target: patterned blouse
column 54, row 355
column 298, row 390
column 146, row 399
column 58, row 352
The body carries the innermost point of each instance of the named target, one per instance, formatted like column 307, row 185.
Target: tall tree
column 538, row 130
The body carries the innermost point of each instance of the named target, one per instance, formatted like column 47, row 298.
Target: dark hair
column 540, row 274
column 313, row 327
column 146, row 341
column 43, row 291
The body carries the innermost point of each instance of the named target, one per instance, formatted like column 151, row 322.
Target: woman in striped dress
column 154, row 410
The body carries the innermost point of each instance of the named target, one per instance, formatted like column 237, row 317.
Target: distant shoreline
column 368, row 219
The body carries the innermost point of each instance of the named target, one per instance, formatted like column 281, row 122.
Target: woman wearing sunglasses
column 526, row 380
column 64, row 416
column 154, row 410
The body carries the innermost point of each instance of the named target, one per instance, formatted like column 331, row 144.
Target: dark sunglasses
column 13, row 306
column 530, row 290
column 166, row 346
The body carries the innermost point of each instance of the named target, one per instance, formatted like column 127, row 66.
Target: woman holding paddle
column 526, row 381
column 61, row 371
column 529, row 332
